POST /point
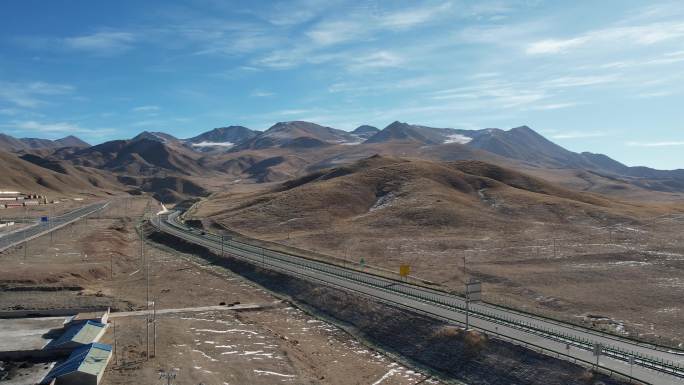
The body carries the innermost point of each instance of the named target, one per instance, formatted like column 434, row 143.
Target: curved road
column 649, row 364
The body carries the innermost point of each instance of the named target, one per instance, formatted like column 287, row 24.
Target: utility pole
column 111, row 267
column 154, row 328
column 467, row 302
column 116, row 358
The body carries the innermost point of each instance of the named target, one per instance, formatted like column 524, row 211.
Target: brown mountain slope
column 139, row 156
column 53, row 178
column 535, row 245
column 388, row 193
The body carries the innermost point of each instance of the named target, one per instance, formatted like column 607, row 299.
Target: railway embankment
column 430, row 344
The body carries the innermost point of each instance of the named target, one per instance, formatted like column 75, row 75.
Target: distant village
column 10, row 199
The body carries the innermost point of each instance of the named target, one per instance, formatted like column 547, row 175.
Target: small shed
column 84, row 366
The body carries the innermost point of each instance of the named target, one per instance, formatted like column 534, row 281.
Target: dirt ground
column 626, row 278
column 97, row 263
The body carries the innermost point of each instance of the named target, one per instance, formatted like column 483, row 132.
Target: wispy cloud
column 148, row 108
column 654, row 94
column 261, row 94
column 293, row 112
column 555, row 46
column 55, row 128
column 380, row 59
column 30, row 95
column 672, row 143
column 553, row 106
column 410, row 17
column 579, row 81
column 618, row 37
column 102, row 43
column 336, row 31
column 578, row 135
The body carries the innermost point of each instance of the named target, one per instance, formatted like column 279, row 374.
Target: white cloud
column 554, row 46
column 618, row 37
column 380, row 59
column 578, row 135
column 9, row 111
column 29, row 95
column 411, row 17
column 674, row 143
column 261, row 94
column 102, row 43
column 292, row 112
column 149, row 108
column 579, row 81
column 57, row 127
column 337, row 31
column 654, row 94
column 553, row 106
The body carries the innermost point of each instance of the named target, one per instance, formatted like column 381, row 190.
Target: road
column 651, row 364
column 42, row 228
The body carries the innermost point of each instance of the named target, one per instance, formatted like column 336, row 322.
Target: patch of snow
column 205, row 355
column 386, row 376
column 457, row 138
column 164, row 210
column 382, row 202
column 213, row 144
column 266, row 372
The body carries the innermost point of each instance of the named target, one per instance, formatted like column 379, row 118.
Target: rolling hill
column 380, row 194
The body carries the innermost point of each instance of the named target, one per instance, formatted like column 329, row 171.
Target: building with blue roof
column 85, row 366
column 79, row 334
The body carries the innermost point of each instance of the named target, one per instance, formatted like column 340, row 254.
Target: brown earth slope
column 53, row 177
column 579, row 256
column 390, row 192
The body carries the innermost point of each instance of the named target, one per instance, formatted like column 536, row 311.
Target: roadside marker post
column 473, row 293
column 597, row 352
column 404, row 271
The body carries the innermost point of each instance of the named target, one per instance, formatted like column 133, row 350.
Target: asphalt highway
column 41, row 228
column 647, row 363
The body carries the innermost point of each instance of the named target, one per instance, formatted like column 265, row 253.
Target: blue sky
column 603, row 76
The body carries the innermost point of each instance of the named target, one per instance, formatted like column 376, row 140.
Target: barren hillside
column 535, row 244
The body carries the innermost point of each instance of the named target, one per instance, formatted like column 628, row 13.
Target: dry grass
column 536, row 245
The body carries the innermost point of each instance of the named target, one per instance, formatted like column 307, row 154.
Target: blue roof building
column 84, row 366
column 78, row 334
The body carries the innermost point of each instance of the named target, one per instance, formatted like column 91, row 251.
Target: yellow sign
column 404, row 270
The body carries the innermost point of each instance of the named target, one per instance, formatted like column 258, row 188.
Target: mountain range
column 236, row 154
column 9, row 143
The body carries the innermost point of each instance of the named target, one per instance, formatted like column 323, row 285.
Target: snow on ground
column 266, row 372
column 213, row 144
column 382, row 202
column 164, row 210
column 457, row 138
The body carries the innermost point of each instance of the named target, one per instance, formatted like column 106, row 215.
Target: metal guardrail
column 427, row 295
column 57, row 223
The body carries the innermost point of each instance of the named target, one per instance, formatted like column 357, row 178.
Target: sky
column 605, row 77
